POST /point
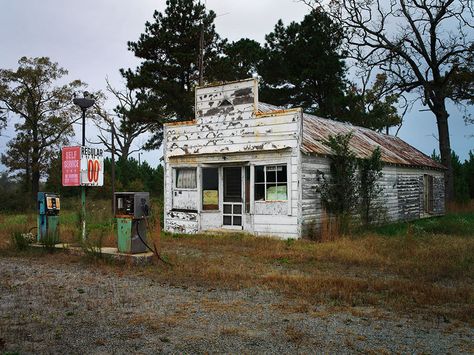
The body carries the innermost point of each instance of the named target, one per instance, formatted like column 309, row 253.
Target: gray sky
column 89, row 39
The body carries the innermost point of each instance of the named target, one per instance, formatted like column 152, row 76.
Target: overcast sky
column 89, row 39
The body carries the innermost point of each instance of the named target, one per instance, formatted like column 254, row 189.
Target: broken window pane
column 259, row 192
column 259, row 174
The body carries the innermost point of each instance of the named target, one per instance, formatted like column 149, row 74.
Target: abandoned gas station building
column 245, row 165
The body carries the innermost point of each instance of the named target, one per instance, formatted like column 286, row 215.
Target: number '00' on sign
column 93, row 168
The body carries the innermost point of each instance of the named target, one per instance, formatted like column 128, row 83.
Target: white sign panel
column 92, row 166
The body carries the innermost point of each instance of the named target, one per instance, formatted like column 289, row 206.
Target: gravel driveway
column 61, row 306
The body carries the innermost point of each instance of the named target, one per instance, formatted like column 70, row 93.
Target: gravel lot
column 63, row 305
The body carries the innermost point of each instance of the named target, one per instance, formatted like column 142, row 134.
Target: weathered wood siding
column 227, row 122
column 401, row 198
column 310, row 205
column 228, row 131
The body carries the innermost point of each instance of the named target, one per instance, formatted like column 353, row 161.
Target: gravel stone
column 58, row 307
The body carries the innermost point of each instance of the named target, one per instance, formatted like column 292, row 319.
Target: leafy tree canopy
column 371, row 107
column 169, row 72
column 424, row 47
column 45, row 114
column 239, row 60
column 304, row 65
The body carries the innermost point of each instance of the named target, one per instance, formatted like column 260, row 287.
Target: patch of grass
column 461, row 224
column 425, row 265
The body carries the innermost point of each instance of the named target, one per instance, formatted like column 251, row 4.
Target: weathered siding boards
column 311, row 209
column 183, row 140
column 264, row 126
column 209, row 100
column 400, row 197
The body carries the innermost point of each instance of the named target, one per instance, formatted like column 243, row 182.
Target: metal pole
column 113, row 166
column 201, row 55
column 83, row 188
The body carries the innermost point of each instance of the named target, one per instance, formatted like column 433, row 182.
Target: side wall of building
column 402, row 196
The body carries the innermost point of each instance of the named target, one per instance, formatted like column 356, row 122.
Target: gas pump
column 49, row 206
column 131, row 211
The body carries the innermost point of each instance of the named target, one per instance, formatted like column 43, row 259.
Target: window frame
column 265, row 183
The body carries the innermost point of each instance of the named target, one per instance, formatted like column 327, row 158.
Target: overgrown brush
column 20, row 240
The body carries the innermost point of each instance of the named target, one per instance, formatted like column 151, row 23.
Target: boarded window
column 210, row 189
column 186, row 178
column 271, row 183
column 428, row 193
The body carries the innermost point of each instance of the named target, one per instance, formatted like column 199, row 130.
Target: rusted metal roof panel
column 316, row 130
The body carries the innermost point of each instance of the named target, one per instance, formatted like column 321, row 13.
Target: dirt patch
column 55, row 304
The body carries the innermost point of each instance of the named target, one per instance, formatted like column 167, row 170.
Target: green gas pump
column 131, row 211
column 49, row 206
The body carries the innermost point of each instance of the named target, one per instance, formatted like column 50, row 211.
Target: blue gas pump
column 49, row 206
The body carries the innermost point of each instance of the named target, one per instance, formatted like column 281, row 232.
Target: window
column 210, row 189
column 271, row 183
column 428, row 193
column 186, row 178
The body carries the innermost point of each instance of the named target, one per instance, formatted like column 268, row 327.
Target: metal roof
column 393, row 150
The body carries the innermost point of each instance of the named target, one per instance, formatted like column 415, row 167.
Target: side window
column 271, row 183
column 186, row 178
column 210, row 189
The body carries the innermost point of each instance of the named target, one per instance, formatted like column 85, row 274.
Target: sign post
column 82, row 166
column 84, row 103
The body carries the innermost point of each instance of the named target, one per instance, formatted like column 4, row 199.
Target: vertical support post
column 83, row 188
column 112, row 126
column 84, row 103
column 201, row 56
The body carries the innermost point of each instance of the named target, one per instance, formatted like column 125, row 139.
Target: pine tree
column 169, row 72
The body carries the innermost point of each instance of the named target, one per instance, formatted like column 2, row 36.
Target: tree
column 422, row 46
column 469, row 166
column 18, row 159
column 239, row 60
column 461, row 184
column 304, row 66
column 339, row 192
column 370, row 172
column 126, row 130
column 45, row 113
column 3, row 119
column 371, row 107
column 170, row 50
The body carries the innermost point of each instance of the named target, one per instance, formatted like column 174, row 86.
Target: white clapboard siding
column 401, row 197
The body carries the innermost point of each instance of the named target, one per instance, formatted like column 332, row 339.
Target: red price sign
column 71, row 166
